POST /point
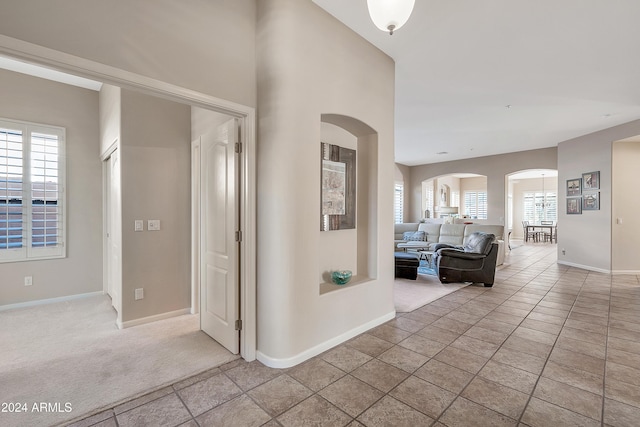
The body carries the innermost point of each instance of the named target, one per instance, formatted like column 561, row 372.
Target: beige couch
column 453, row 234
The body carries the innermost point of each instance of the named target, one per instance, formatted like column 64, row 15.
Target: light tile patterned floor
column 546, row 346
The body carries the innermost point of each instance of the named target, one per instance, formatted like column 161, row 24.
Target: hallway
column 547, row 345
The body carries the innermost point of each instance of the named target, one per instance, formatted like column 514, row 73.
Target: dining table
column 539, row 227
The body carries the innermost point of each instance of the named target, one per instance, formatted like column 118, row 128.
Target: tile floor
column 548, row 345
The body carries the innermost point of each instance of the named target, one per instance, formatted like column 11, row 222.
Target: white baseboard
column 49, row 301
column 585, row 267
column 314, row 351
column 630, row 272
column 143, row 320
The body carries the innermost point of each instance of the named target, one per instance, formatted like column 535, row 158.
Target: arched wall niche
column 352, row 249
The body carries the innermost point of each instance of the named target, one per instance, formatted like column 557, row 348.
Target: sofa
column 452, row 234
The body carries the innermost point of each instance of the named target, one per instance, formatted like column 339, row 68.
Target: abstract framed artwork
column 338, row 188
column 574, row 205
column 574, row 187
column 591, row 181
column 591, row 201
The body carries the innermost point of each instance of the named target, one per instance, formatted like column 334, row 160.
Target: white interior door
column 219, row 248
column 114, row 232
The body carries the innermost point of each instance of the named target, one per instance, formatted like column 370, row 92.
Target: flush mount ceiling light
column 390, row 15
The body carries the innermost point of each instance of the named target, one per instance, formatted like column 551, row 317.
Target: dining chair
column 544, row 234
column 529, row 233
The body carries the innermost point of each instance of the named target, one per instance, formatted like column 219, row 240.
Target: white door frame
column 50, row 58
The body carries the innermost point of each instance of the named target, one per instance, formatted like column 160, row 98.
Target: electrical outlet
column 28, row 280
column 139, row 293
column 153, row 225
column 139, row 225
column 564, row 252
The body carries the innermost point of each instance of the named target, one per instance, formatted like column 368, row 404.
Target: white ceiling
column 566, row 68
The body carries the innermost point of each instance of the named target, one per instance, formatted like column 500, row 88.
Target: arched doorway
column 531, row 195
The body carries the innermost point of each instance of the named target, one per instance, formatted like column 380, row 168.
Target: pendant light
column 390, row 15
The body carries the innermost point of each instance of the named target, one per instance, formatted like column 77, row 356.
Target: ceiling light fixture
column 390, row 15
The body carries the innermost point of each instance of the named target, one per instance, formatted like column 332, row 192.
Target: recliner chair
column 473, row 262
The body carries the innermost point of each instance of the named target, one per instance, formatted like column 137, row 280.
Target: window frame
column 398, row 203
column 28, row 252
column 476, row 195
column 531, row 200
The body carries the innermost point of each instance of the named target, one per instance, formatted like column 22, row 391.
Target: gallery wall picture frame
column 574, row 205
column 338, row 188
column 574, row 187
column 591, row 201
column 591, row 180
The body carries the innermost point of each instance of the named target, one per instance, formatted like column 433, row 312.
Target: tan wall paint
column 493, row 167
column 309, row 64
column 156, row 184
column 41, row 101
column 204, row 45
column 587, row 237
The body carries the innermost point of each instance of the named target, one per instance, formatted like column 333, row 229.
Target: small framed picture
column 591, row 180
column 574, row 187
column 591, row 201
column 574, row 205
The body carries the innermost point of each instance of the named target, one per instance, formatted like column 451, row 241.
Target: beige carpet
column 409, row 295
column 73, row 353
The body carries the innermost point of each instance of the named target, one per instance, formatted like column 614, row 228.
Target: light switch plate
column 153, row 225
column 139, row 225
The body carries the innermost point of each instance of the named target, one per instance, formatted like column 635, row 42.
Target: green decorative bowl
column 341, row 277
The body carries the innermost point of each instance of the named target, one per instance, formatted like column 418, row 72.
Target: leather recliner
column 473, row 262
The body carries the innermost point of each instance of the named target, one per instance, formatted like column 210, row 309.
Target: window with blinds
column 31, row 191
column 539, row 206
column 398, row 203
column 475, row 204
column 429, row 199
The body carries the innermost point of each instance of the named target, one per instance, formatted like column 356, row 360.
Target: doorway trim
column 50, row 58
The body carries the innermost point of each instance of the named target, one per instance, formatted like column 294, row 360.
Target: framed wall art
column 338, row 188
column 591, row 181
column 574, row 205
column 574, row 187
column 591, row 201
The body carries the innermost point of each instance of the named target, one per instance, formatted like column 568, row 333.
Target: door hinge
column 239, row 236
column 238, row 147
column 238, row 325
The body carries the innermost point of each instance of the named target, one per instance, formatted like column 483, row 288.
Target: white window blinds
column 398, row 203
column 32, row 216
column 475, row 204
column 539, row 206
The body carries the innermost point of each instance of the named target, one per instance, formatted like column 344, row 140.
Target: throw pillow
column 413, row 236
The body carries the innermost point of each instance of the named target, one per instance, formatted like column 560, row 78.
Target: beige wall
column 587, row 238
column 308, row 65
column 625, row 207
column 156, row 184
column 495, row 168
column 41, row 101
column 204, row 45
